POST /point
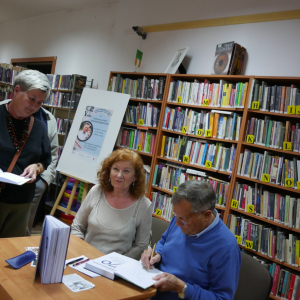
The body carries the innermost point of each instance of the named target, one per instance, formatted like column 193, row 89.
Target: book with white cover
column 125, row 267
column 12, row 178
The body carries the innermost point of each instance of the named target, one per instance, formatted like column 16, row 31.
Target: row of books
column 167, row 176
column 147, row 174
column 193, row 151
column 63, row 125
column 66, row 82
column 286, row 285
column 59, row 99
column 274, row 98
column 162, row 206
column 142, row 88
column 221, row 94
column 265, row 167
column 9, row 72
column 142, row 115
column 136, row 139
column 6, row 92
column 271, row 133
column 280, row 208
column 276, row 244
column 216, row 124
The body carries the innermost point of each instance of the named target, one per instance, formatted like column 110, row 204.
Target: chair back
column 159, row 226
column 255, row 281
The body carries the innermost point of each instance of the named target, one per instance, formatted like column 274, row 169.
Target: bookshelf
column 140, row 101
column 278, row 226
column 228, row 209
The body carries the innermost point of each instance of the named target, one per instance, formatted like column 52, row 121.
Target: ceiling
column 13, row 10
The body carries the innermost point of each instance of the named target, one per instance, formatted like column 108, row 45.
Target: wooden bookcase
column 240, row 144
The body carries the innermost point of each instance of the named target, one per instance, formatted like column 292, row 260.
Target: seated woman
column 115, row 215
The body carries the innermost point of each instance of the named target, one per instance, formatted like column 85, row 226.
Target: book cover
column 222, row 58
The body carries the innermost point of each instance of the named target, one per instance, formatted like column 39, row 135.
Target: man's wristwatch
column 181, row 295
column 39, row 170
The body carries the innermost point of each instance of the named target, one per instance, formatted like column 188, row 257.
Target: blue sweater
column 209, row 264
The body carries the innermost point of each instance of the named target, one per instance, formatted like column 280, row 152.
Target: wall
column 97, row 40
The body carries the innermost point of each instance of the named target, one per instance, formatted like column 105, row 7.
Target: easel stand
column 67, row 210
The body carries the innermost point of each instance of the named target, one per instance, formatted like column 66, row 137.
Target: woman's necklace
column 18, row 143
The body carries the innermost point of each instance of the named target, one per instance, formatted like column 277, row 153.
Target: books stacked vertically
column 53, row 250
column 66, row 82
column 229, row 59
column 277, row 207
column 274, row 134
column 135, row 139
column 167, row 176
column 9, row 72
column 223, row 94
column 6, row 92
column 63, row 125
column 59, row 99
column 274, row 243
column 193, row 151
column 161, row 204
column 142, row 115
column 141, row 88
column 147, row 173
column 222, row 124
column 274, row 98
column 286, row 285
column 268, row 168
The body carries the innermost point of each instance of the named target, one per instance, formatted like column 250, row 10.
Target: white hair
column 29, row 80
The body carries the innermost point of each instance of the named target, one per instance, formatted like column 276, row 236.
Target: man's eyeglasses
column 187, row 221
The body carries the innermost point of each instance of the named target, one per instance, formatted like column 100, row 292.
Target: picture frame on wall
column 176, row 60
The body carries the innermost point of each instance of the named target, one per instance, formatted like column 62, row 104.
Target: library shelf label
column 250, row 139
column 266, row 177
column 207, row 133
column 139, row 148
column 141, row 122
column 298, row 109
column 179, row 99
column 208, row 164
column 298, row 185
column 287, row 146
column 199, row 132
column 234, row 203
column 186, row 159
column 255, row 105
column 249, row 245
column 238, row 239
column 183, row 129
column 205, row 102
column 174, row 189
column 250, row 208
column 291, row 110
column 289, row 182
column 158, row 212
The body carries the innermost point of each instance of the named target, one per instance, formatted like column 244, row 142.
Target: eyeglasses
column 187, row 221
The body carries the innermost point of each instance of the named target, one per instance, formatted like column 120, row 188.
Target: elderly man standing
column 198, row 253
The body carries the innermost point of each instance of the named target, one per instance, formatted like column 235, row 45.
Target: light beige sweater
column 108, row 229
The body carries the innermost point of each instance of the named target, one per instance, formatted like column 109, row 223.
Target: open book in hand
column 125, row 267
column 12, row 178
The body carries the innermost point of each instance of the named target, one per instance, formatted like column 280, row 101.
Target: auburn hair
column 138, row 189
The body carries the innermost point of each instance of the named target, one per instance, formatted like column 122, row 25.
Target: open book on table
column 125, row 267
column 12, row 178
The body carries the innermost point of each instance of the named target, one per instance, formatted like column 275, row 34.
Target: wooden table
column 18, row 284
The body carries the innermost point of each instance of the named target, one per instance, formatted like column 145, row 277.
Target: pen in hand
column 151, row 256
column 81, row 262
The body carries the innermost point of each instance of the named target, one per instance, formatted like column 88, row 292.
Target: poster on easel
column 93, row 133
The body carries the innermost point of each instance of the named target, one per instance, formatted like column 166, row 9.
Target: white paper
column 76, row 283
column 12, row 178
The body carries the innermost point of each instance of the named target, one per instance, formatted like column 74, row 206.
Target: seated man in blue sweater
column 198, row 254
